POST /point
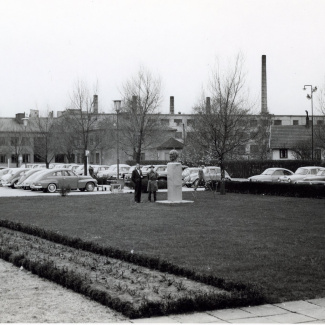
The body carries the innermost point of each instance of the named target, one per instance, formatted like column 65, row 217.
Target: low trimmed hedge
column 280, row 189
column 241, row 294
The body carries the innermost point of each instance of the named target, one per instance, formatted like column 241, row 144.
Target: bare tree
column 223, row 127
column 302, row 150
column 139, row 117
column 45, row 144
column 85, row 130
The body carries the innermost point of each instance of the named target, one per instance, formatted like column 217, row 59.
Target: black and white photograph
column 162, row 161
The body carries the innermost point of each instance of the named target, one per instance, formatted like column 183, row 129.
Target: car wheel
column 90, row 186
column 51, row 188
column 13, row 184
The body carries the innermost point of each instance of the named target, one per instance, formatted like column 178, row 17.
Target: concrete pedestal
column 174, row 184
column 174, row 181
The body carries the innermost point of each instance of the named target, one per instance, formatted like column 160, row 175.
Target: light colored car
column 211, row 173
column 25, row 176
column 111, row 172
column 4, row 178
column 100, row 170
column 28, row 165
column 56, row 179
column 271, row 175
column 186, row 175
column 300, row 174
column 26, row 183
column 318, row 179
column 14, row 177
column 3, row 172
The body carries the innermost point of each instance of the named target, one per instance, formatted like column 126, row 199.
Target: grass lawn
column 276, row 242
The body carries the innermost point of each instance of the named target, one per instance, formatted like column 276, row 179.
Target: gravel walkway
column 26, row 298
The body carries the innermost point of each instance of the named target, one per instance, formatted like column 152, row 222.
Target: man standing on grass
column 137, row 180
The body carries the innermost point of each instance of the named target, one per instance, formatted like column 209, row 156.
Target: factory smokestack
column 264, row 86
column 171, row 105
column 95, row 103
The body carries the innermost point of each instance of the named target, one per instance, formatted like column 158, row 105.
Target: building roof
column 287, row 136
column 171, row 143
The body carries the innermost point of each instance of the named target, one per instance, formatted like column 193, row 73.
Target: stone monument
column 174, row 180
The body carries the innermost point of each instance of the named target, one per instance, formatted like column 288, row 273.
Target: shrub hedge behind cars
column 281, row 189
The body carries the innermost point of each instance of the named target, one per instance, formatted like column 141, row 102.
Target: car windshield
column 124, row 169
column 301, row 171
column 192, row 171
column 321, row 173
column 268, row 172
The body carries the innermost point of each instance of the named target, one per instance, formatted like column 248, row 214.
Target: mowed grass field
column 276, row 242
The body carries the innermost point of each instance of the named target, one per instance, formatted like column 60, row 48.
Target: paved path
column 26, row 298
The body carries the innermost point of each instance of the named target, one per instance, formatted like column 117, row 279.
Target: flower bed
column 134, row 290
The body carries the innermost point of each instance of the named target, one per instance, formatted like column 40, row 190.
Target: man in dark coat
column 137, row 180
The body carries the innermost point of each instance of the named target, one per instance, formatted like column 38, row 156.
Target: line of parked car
column 46, row 180
column 37, row 177
column 313, row 175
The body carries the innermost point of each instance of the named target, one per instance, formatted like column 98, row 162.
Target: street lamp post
column 117, row 107
column 312, row 90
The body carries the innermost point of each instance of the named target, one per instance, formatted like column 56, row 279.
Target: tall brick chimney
column 208, row 105
column 134, row 103
column 264, row 86
column 95, row 104
column 171, row 105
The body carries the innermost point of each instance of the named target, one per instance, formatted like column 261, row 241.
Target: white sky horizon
column 47, row 45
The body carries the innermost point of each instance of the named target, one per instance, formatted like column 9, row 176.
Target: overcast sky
column 46, row 46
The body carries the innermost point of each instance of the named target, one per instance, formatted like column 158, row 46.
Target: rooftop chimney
column 264, row 86
column 171, row 105
column 307, row 119
column 95, row 104
column 208, row 105
column 19, row 117
column 134, row 103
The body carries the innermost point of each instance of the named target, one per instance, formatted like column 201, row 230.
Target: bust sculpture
column 173, row 155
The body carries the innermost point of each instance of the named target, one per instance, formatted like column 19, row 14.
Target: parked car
column 30, row 179
column 4, row 172
column 25, row 176
column 30, row 165
column 4, row 178
column 161, row 171
column 111, row 172
column 101, row 169
column 300, row 174
column 186, row 175
column 318, row 179
column 14, row 177
column 56, row 179
column 211, row 173
column 271, row 175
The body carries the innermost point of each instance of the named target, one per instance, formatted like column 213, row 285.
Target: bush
column 280, row 189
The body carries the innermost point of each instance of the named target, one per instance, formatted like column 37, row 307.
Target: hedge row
column 280, row 189
column 241, row 294
column 247, row 168
column 244, row 168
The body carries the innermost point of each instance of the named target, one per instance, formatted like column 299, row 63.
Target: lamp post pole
column 25, row 123
column 117, row 106
column 312, row 90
